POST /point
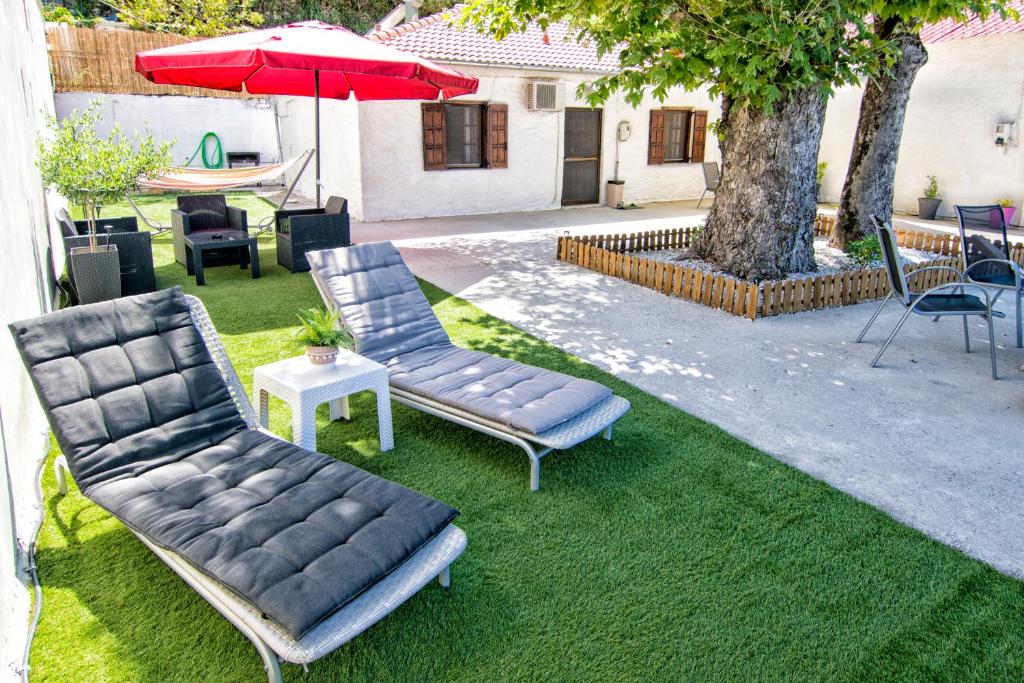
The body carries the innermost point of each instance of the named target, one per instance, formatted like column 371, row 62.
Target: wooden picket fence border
column 612, row 255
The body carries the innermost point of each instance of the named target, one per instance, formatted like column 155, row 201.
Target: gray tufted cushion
column 378, row 297
column 151, row 434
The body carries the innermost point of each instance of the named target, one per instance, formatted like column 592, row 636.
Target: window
column 677, row 136
column 677, row 132
column 457, row 135
column 463, row 135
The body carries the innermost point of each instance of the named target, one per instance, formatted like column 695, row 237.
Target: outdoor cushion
column 393, row 323
column 378, row 298
column 519, row 396
column 151, row 434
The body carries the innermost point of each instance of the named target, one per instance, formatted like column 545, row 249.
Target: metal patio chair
column 989, row 263
column 712, row 178
column 943, row 300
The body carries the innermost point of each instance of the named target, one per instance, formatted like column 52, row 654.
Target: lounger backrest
column 378, row 298
column 127, row 385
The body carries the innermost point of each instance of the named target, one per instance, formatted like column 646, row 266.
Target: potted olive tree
column 928, row 205
column 89, row 171
column 322, row 333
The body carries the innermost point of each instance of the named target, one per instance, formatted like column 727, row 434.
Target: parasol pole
column 316, row 127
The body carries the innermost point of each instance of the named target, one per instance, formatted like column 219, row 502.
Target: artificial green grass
column 675, row 552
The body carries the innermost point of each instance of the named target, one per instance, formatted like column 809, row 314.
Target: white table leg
column 339, row 409
column 387, row 437
column 263, row 407
column 304, row 424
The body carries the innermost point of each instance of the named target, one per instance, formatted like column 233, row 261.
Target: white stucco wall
column 339, row 146
column 24, row 292
column 965, row 89
column 373, row 153
column 241, row 125
column 392, row 148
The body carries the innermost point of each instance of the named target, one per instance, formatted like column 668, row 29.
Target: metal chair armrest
column 1013, row 266
column 910, row 275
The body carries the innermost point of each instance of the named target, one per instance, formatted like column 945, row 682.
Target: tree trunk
column 761, row 224
column 868, row 189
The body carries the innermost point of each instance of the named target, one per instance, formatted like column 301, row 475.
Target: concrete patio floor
column 928, row 436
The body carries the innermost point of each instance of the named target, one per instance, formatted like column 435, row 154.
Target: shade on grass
column 673, row 552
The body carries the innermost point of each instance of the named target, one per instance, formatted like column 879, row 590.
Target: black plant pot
column 927, row 208
column 97, row 273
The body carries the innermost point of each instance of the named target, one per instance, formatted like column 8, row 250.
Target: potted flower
column 1008, row 210
column 928, row 205
column 322, row 333
column 90, row 171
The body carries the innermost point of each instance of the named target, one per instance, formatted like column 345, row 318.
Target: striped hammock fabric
column 214, row 179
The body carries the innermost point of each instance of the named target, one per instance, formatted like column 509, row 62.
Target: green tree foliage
column 357, row 15
column 89, row 170
column 750, row 52
column 189, row 17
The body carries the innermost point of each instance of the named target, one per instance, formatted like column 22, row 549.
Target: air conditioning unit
column 545, row 96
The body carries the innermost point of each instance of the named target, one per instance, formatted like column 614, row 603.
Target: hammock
column 185, row 179
column 206, row 179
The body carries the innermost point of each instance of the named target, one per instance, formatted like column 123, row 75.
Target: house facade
column 525, row 141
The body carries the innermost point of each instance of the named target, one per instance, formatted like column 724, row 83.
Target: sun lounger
column 538, row 410
column 301, row 552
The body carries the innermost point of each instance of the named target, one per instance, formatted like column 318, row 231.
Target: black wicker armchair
column 72, row 228
column 207, row 213
column 302, row 230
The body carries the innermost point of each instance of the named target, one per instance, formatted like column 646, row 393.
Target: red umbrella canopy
column 282, row 61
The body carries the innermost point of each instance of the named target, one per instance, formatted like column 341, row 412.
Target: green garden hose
column 216, row 163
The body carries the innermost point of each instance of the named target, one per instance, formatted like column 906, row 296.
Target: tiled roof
column 434, row 37
column 949, row 29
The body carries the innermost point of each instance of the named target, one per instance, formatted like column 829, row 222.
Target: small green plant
column 321, row 327
column 1005, row 203
column 865, row 250
column 931, row 190
column 89, row 170
column 822, row 167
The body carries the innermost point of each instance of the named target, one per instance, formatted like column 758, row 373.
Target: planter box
column 927, row 208
column 97, row 273
column 612, row 255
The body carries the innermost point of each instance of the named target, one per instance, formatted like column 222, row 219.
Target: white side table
column 305, row 386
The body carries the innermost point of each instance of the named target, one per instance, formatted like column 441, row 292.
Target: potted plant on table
column 1008, row 210
column 322, row 333
column 928, row 205
column 89, row 171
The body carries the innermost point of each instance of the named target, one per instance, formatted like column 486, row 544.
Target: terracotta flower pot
column 322, row 355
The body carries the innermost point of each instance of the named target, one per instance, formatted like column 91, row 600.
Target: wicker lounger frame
column 596, row 420
column 271, row 640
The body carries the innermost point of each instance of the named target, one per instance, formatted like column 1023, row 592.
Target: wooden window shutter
column 656, row 139
column 433, row 137
column 497, row 136
column 700, row 134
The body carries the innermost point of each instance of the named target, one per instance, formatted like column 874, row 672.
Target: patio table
column 198, row 242
column 304, row 386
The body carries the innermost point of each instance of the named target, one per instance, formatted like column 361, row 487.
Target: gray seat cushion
column 152, row 434
column 393, row 323
column 522, row 397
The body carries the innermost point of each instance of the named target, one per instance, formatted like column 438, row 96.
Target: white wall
column 241, row 125
column 373, row 153
column 339, row 146
column 24, row 292
column 965, row 89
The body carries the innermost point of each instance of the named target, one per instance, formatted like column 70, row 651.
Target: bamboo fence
column 612, row 255
column 102, row 61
